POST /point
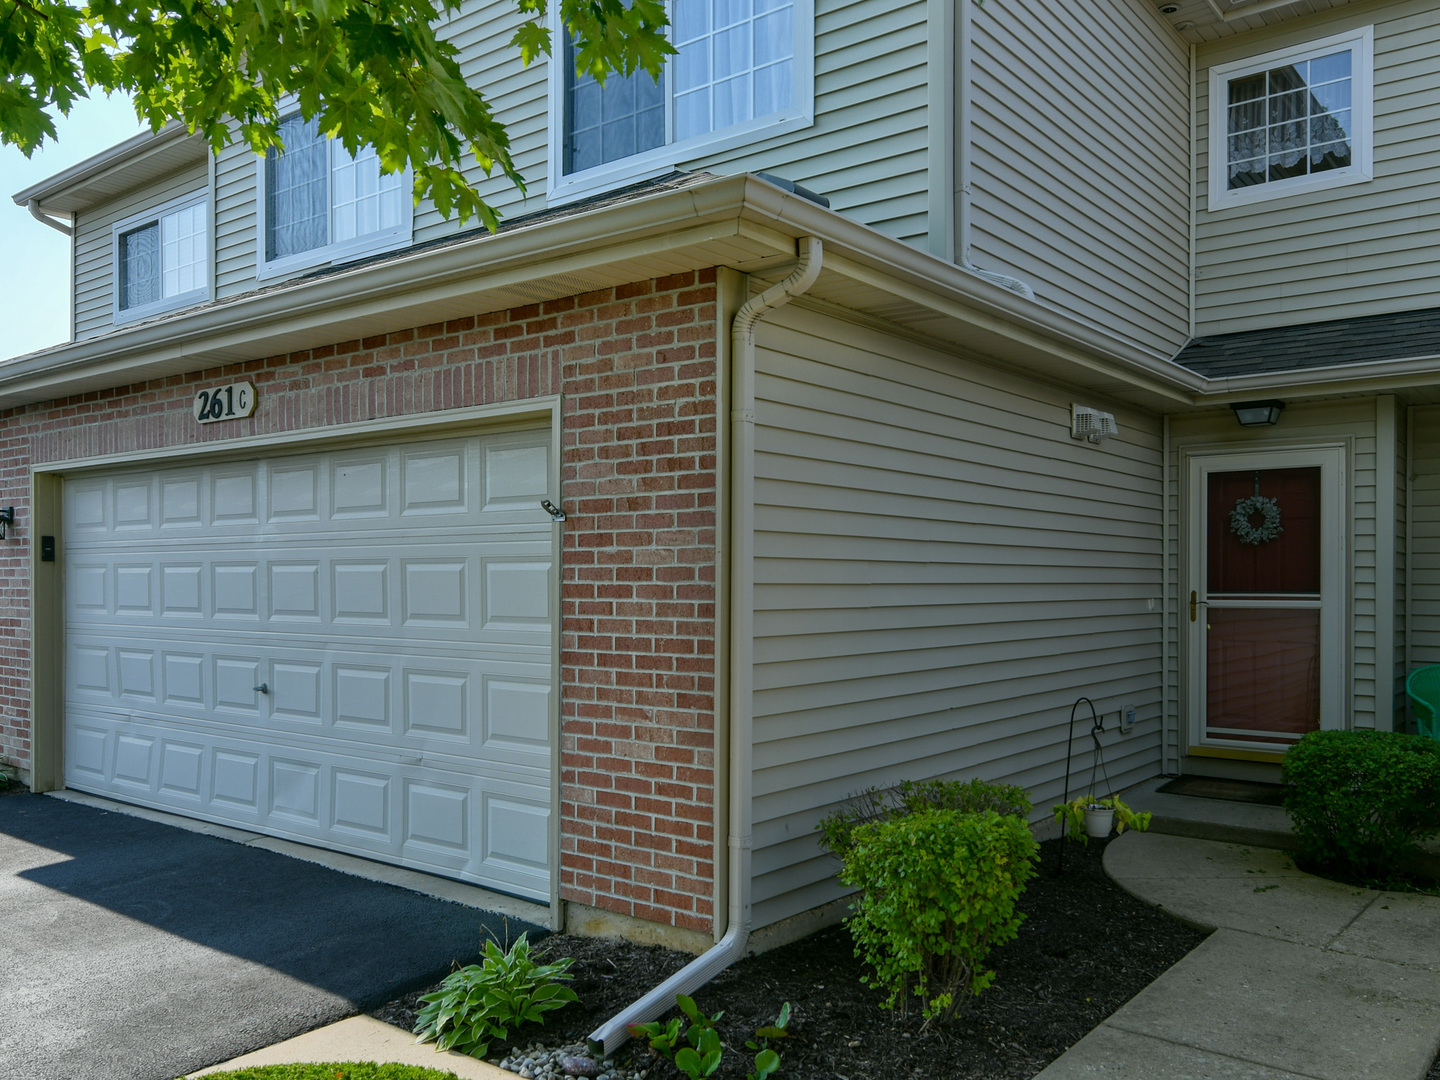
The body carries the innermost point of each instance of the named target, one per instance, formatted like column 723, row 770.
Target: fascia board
column 1380, row 376
column 737, row 208
column 961, row 294
column 116, row 157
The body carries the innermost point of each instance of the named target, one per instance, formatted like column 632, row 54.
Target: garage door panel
column 432, row 815
column 363, row 591
column 394, row 604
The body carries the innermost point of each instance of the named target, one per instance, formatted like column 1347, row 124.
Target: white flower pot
column 1098, row 821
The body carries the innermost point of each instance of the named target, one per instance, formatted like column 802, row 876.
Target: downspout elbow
column 45, row 219
column 732, row 945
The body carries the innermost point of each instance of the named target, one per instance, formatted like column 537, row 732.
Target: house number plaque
column 219, row 403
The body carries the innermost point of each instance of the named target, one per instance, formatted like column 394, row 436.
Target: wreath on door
column 1242, row 522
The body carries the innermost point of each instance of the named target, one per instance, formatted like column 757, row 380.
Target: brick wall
column 638, row 602
column 635, row 366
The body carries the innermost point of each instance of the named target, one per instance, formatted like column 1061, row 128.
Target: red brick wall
column 638, row 602
column 635, row 366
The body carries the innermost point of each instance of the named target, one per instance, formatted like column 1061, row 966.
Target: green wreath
column 1255, row 535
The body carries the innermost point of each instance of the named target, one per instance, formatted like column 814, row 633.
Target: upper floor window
column 1291, row 121
column 162, row 259
column 742, row 71
column 319, row 204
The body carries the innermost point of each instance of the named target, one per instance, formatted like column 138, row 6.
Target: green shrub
column 937, row 892
column 1360, row 800
column 914, row 796
column 481, row 1003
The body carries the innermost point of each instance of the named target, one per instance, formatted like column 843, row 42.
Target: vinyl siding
column 1424, row 591
column 1402, row 513
column 868, row 146
column 1080, row 162
column 1357, row 250
column 94, row 247
column 1301, row 425
column 234, row 220
column 867, row 150
column 940, row 572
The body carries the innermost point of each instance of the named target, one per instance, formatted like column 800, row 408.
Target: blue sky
column 35, row 268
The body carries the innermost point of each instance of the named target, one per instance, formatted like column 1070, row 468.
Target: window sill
column 1284, row 189
column 333, row 255
column 127, row 316
column 665, row 159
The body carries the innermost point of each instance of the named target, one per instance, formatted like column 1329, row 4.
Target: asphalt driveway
column 131, row 950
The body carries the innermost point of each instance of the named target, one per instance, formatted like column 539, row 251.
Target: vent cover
column 1092, row 425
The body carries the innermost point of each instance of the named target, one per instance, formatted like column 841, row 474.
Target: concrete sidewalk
column 363, row 1038
column 1302, row 977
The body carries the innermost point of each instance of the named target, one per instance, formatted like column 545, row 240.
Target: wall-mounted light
column 1257, row 413
column 1092, row 425
column 7, row 519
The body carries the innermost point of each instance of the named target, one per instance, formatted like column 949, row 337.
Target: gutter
column 33, row 205
column 738, row 207
column 93, row 166
column 731, row 947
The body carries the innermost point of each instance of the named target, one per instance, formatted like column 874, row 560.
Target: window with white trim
column 1292, row 121
column 162, row 259
column 742, row 71
column 318, row 204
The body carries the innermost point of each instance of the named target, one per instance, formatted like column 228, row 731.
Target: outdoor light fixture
column 1257, row 413
column 7, row 518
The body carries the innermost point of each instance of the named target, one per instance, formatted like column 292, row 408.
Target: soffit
column 1198, row 21
column 123, row 168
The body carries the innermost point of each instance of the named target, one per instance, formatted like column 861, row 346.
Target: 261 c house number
column 225, row 403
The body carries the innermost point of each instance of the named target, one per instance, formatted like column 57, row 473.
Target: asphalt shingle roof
column 1315, row 345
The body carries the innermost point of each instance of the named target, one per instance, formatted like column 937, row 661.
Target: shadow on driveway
column 131, row 950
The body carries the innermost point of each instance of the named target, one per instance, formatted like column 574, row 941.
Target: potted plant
column 1088, row 816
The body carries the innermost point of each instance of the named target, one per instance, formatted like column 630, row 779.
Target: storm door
column 1264, row 605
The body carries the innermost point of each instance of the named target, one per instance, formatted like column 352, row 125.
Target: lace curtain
column 1289, row 121
column 297, row 194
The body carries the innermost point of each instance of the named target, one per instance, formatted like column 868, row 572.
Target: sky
column 35, row 259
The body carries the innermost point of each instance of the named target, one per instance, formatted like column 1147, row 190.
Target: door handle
column 1196, row 604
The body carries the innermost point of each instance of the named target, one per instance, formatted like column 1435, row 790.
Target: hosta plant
column 482, row 1003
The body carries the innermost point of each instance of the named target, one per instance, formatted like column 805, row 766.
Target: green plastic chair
column 1423, row 686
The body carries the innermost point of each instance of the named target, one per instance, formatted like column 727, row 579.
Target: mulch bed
column 1085, row 949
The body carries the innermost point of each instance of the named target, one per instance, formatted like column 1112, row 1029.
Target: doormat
column 1210, row 787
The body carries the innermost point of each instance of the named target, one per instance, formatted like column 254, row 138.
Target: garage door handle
column 263, row 688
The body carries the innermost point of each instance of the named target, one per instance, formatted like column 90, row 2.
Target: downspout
column 45, row 219
column 731, row 947
column 964, row 64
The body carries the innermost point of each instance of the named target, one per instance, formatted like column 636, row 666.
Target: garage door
column 349, row 648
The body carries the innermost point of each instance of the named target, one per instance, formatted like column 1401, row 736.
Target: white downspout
column 964, row 65
column 731, row 947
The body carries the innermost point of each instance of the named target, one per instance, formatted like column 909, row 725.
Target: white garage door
column 350, row 648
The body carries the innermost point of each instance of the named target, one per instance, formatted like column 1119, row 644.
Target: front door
column 1267, row 660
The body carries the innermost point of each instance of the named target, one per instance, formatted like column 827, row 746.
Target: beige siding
column 940, row 572
column 1402, row 512
column 1358, row 250
column 1424, row 591
column 234, row 221
column 1080, row 162
column 867, row 149
column 94, row 254
column 1300, row 425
